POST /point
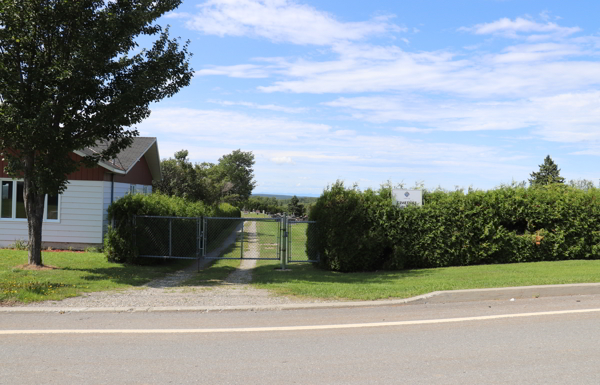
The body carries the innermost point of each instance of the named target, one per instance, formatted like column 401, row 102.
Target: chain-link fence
column 219, row 233
column 264, row 238
column 255, row 238
column 301, row 241
column 168, row 237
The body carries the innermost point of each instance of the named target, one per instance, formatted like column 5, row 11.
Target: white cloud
column 271, row 107
column 531, row 68
column 537, row 52
column 520, row 26
column 282, row 160
column 567, row 118
column 226, row 128
column 324, row 153
column 281, row 21
column 414, row 130
column 249, row 71
column 301, row 141
column 518, row 71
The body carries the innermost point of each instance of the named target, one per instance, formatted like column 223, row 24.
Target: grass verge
column 308, row 281
column 77, row 273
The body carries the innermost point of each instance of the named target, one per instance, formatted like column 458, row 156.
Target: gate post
column 242, row 254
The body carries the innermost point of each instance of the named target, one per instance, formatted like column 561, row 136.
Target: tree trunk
column 34, row 208
column 35, row 218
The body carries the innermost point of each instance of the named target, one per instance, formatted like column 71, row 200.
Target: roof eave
column 103, row 164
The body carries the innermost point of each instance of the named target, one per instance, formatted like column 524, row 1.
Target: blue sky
column 445, row 93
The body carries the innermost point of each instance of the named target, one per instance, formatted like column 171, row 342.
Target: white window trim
column 14, row 204
column 46, row 209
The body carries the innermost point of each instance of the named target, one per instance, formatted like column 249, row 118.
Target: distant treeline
column 271, row 204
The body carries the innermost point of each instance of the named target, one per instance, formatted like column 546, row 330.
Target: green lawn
column 76, row 273
column 308, row 281
column 87, row 272
column 267, row 233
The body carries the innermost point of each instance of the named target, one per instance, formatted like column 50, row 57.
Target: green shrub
column 122, row 244
column 363, row 231
column 19, row 244
column 348, row 229
column 118, row 245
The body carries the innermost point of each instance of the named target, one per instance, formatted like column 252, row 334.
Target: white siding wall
column 81, row 210
column 83, row 215
column 121, row 189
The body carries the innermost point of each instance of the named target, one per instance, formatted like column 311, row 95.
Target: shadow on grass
column 152, row 269
column 135, row 275
column 310, row 273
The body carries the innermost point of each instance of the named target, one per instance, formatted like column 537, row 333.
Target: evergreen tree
column 549, row 174
column 295, row 208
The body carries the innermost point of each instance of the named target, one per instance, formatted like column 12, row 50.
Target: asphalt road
column 534, row 341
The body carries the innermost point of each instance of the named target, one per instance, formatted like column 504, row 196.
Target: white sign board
column 403, row 198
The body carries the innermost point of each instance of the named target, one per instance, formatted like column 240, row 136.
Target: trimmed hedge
column 118, row 245
column 362, row 231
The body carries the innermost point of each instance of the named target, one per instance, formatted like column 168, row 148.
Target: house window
column 132, row 189
column 20, row 206
column 51, row 207
column 6, row 199
column 145, row 189
column 12, row 204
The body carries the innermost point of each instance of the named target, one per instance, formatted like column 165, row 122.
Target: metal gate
column 301, row 245
column 243, row 238
column 169, row 237
column 279, row 239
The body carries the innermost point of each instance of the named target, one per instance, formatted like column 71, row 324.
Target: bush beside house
column 118, row 245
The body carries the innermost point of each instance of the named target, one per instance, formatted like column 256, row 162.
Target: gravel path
column 235, row 291
column 244, row 273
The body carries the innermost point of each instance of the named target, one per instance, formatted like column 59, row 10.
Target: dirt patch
column 10, row 302
column 34, row 267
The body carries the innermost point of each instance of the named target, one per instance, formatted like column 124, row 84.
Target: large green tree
column 180, row 178
column 72, row 75
column 236, row 176
column 549, row 173
column 230, row 180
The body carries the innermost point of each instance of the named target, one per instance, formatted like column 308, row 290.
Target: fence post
column 279, row 239
column 170, row 236
column 242, row 254
column 284, row 240
column 204, row 235
column 133, row 233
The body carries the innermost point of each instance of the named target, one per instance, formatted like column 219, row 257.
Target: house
column 78, row 217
